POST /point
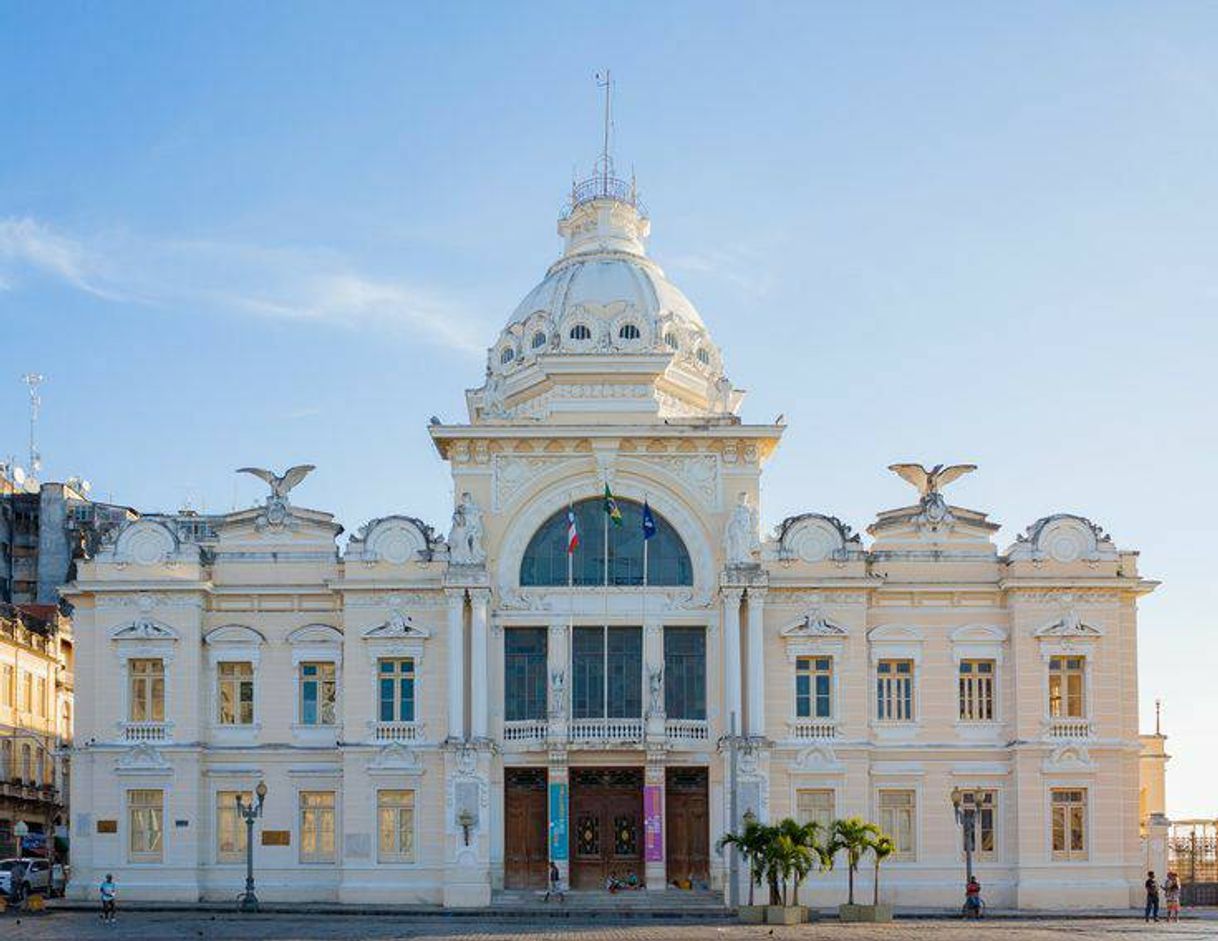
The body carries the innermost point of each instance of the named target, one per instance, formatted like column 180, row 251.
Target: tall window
column 607, row 672
column 524, row 663
column 236, row 693
column 395, row 826
column 145, row 825
column 230, row 827
column 146, row 693
column 25, row 691
column 814, row 804
column 1066, row 687
column 977, row 690
column 894, row 690
column 685, row 672
column 898, row 818
column 396, row 688
column 27, row 763
column 1069, row 812
column 318, row 693
column 545, row 560
column 983, row 820
column 7, row 686
column 40, row 696
column 813, row 687
column 317, row 826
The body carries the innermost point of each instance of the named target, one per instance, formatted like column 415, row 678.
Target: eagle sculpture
column 929, row 481
column 282, row 483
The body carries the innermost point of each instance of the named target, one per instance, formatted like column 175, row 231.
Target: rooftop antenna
column 1158, row 715
column 605, row 80
column 34, row 380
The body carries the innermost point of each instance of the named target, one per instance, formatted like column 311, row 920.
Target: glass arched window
column 672, row 341
column 539, row 340
column 580, row 332
column 628, row 331
column 703, row 356
column 545, row 559
column 507, row 355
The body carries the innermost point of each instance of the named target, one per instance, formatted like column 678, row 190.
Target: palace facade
column 436, row 718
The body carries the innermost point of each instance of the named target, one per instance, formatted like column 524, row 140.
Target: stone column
column 558, row 682
column 456, row 662
column 480, row 680
column 756, row 641
column 655, row 851
column 731, row 660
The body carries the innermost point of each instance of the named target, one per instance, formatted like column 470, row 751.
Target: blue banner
column 558, row 820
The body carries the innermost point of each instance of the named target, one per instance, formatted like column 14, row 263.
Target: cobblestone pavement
column 139, row 926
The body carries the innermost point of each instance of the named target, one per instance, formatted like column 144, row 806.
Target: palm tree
column 752, row 842
column 854, row 835
column 812, row 853
column 882, row 847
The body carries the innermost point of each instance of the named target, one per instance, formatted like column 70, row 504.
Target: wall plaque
column 276, row 837
column 107, row 826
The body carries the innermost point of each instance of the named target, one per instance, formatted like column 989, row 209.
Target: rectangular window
column 977, row 690
column 145, row 825
column 147, row 690
column 1069, row 813
column 236, row 693
column 7, row 687
column 395, row 826
column 984, row 838
column 317, row 694
column 898, row 818
column 894, row 690
column 607, row 672
column 230, row 827
column 685, row 672
column 814, row 805
column 40, row 696
column 1066, row 687
column 25, row 691
column 317, row 826
column 525, row 653
column 396, row 690
column 813, row 687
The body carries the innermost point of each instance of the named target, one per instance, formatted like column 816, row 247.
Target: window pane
column 525, row 652
column 588, row 672
column 685, row 672
column 625, row 672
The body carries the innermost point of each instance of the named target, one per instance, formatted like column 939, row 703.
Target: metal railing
column 606, row 730
column 603, row 186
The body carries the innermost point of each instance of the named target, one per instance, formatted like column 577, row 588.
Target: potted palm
column 752, row 842
column 881, row 848
column 783, row 857
column 854, row 835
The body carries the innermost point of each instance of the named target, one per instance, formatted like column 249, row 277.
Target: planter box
column 751, row 914
column 868, row 913
column 784, row 914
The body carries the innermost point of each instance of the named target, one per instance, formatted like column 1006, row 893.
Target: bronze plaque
column 276, row 837
column 107, row 826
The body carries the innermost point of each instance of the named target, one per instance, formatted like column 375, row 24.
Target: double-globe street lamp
column 249, row 813
column 965, row 805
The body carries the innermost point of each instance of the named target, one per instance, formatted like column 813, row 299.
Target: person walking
column 108, row 890
column 1171, row 896
column 555, row 884
column 1152, row 896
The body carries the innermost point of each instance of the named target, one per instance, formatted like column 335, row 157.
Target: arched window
column 703, row 356
column 539, row 340
column 628, row 331
column 672, row 341
column 507, row 355
column 580, row 332
column 545, row 559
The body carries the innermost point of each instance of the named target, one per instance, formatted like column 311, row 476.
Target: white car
column 34, row 875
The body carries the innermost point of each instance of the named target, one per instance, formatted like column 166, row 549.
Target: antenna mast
column 605, row 80
column 34, row 380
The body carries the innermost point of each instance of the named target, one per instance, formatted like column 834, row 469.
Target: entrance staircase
column 669, row 905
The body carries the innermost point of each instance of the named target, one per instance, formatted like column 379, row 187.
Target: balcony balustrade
column 526, row 731
column 1072, row 729
column 812, row 730
column 397, row 731
column 143, row 732
column 605, row 731
column 683, row 731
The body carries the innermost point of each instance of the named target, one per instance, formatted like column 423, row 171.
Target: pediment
column 316, row 634
column 234, row 634
column 396, row 757
column 813, row 624
column 144, row 629
column 1071, row 757
column 978, row 634
column 1069, row 626
column 894, row 633
column 143, row 757
column 398, row 626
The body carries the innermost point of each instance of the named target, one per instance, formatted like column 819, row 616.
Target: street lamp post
column 965, row 805
column 250, row 812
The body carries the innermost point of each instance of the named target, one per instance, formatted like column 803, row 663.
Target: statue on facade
column 465, row 537
column 935, row 513
column 741, row 544
column 655, row 686
column 558, row 683
column 276, row 514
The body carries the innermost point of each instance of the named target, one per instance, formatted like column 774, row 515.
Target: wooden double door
column 526, row 828
column 606, row 826
column 687, row 825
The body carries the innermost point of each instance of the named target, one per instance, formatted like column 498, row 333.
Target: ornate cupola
column 605, row 336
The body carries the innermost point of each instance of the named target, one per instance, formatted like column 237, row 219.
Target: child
column 1171, row 895
column 108, row 891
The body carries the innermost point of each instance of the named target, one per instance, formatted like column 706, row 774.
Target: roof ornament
column 604, row 182
column 935, row 514
column 277, row 514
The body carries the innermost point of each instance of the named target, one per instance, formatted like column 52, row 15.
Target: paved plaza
column 176, row 926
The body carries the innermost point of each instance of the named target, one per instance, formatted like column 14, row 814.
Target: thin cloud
column 740, row 265
column 299, row 284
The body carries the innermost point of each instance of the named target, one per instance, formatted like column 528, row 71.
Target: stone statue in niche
column 465, row 537
column 655, row 685
column 741, row 544
column 558, row 684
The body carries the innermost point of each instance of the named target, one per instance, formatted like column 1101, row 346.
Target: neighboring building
column 436, row 719
column 36, row 680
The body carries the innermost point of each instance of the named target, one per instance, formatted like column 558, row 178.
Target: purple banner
column 653, row 823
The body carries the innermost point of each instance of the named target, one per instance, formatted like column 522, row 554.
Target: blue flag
column 649, row 521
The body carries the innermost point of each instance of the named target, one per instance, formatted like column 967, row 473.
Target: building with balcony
column 603, row 659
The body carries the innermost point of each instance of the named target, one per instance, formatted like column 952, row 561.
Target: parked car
column 21, row 876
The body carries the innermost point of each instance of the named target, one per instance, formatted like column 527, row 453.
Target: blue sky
column 239, row 233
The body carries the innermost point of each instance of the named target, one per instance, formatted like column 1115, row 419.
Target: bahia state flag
column 572, row 532
column 649, row 521
column 611, row 508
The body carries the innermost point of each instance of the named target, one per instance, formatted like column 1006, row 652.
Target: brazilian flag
column 615, row 515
